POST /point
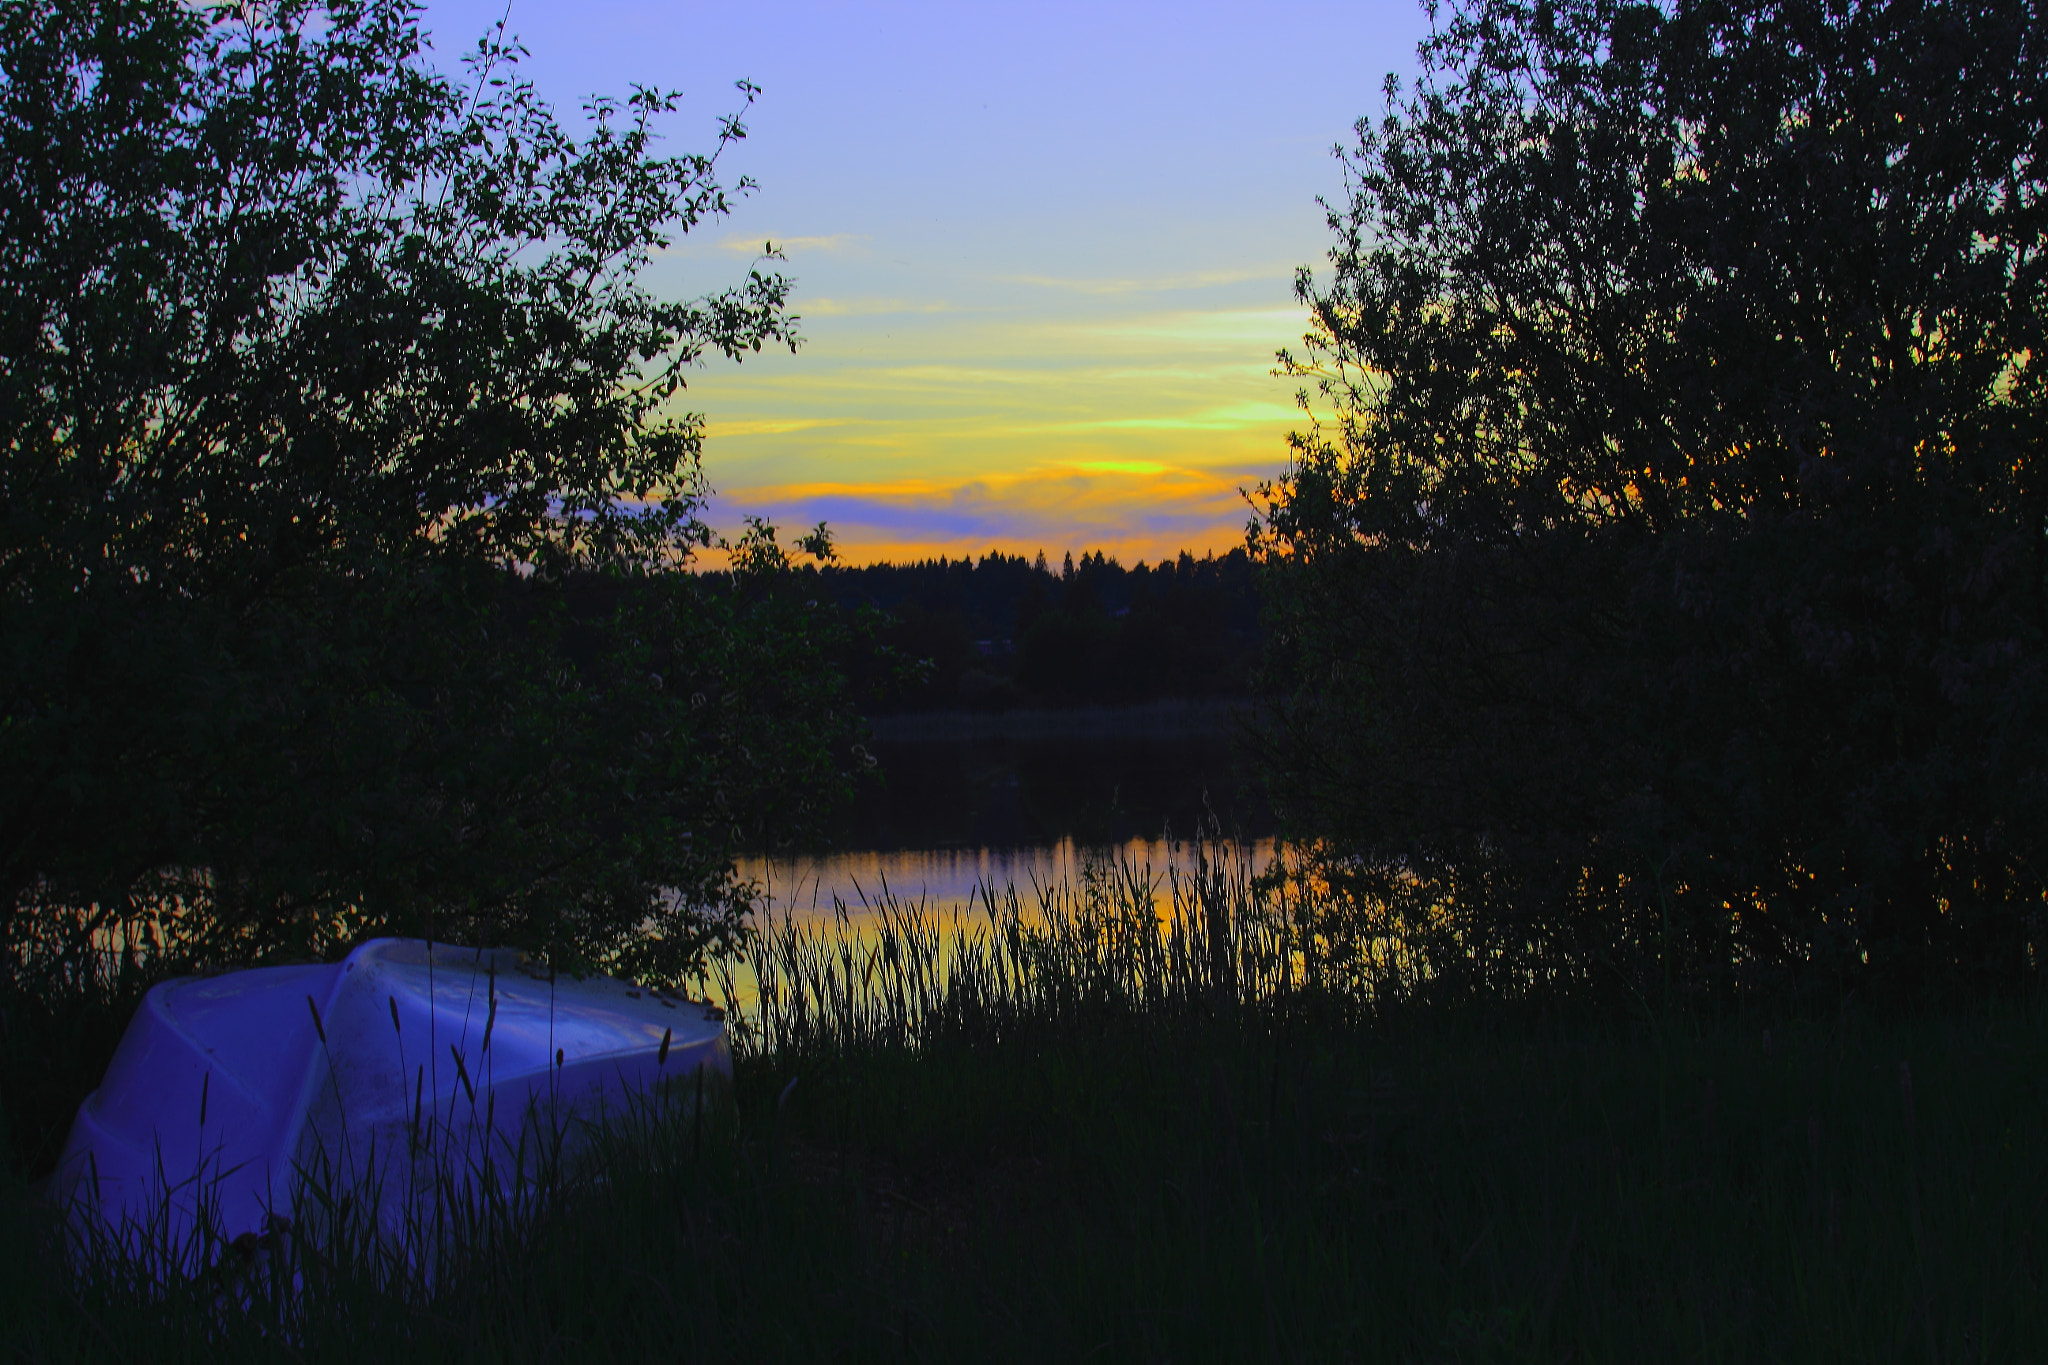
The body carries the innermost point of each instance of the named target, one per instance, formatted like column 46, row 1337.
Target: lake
column 1028, row 798
column 945, row 879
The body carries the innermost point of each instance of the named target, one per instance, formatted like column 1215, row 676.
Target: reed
column 1123, row 941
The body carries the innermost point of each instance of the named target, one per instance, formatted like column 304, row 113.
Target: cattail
column 661, row 1057
column 463, row 1072
column 317, row 1028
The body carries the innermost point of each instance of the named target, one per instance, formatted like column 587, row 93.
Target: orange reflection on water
column 948, row 880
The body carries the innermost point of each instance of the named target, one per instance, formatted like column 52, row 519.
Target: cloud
column 1260, row 327
column 1199, row 279
column 1128, row 429
column 852, row 308
column 961, row 517
column 1119, row 466
column 1227, row 418
column 752, row 246
column 767, row 426
column 1131, row 509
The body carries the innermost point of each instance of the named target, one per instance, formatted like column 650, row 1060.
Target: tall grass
column 1122, row 941
column 1123, row 1120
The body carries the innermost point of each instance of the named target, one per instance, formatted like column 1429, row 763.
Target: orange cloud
column 1133, row 511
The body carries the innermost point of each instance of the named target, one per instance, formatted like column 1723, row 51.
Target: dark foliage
column 343, row 498
column 1666, row 597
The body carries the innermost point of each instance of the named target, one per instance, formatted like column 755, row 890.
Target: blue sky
column 1043, row 254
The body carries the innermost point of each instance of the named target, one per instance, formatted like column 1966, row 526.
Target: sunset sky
column 1043, row 253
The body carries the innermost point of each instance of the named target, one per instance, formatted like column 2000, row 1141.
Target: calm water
column 1028, row 800
column 944, row 879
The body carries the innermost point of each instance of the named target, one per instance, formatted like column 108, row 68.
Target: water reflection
column 1101, row 778
column 1031, row 800
column 945, row 880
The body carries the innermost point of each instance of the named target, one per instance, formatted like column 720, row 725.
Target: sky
column 1043, row 254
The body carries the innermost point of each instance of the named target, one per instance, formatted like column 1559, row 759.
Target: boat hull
column 419, row 1072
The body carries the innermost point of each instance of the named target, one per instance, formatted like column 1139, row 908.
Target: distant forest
column 1008, row 631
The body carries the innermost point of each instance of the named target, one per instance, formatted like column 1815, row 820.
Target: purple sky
column 1044, row 253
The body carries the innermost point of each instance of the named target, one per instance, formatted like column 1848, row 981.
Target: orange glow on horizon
column 1132, row 511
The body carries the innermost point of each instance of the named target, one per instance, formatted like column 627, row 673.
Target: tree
column 346, row 496
column 1665, row 596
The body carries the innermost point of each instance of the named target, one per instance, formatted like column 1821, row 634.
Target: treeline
column 1008, row 631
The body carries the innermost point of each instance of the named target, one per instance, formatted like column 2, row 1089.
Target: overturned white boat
column 406, row 1068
